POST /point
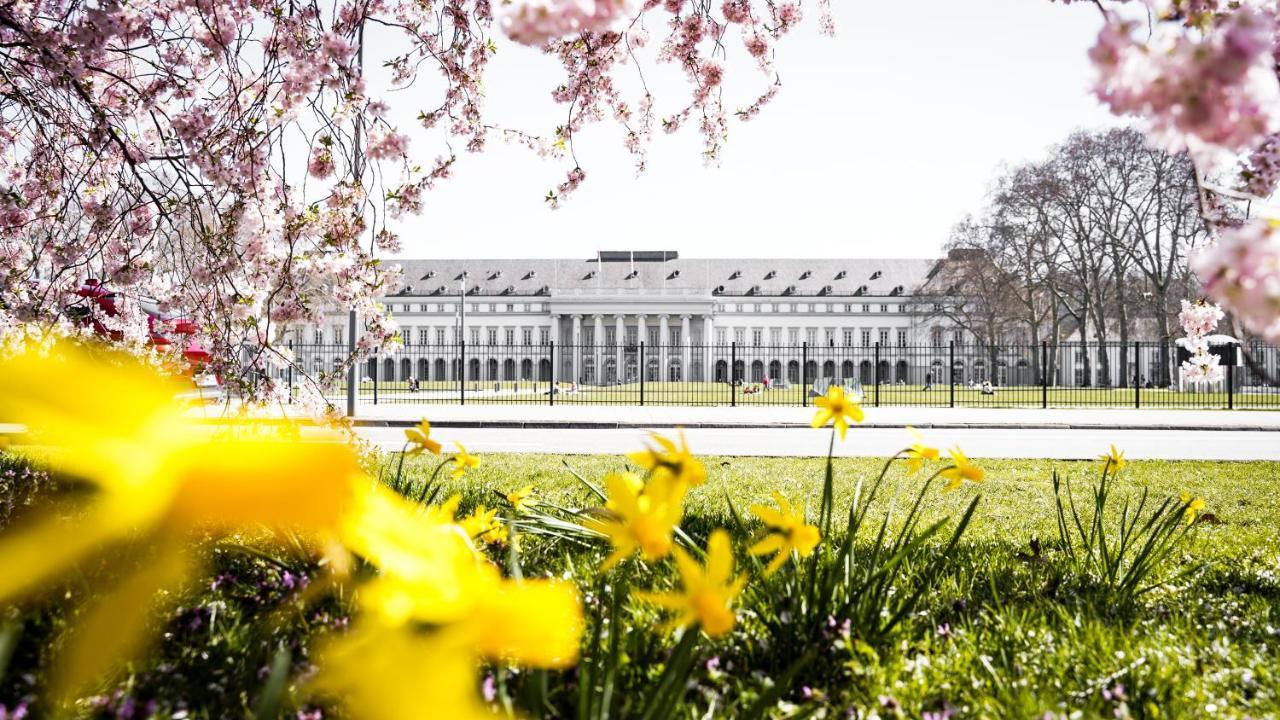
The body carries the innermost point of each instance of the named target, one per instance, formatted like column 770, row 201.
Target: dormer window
column 462, row 275
column 674, row 274
column 791, row 290
column 826, row 290
column 840, row 275
column 718, row 291
column 735, row 274
column 862, row 290
column 632, row 275
column 495, row 275
column 590, row 274
column 544, row 290
column 510, row 290
column 755, row 290
column 897, row 290
column 806, row 274
column 771, row 275
column 529, row 275
column 430, row 274
column 876, row 275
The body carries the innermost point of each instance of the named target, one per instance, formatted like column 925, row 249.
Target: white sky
column 879, row 141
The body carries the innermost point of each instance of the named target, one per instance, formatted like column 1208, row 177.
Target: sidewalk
column 627, row 416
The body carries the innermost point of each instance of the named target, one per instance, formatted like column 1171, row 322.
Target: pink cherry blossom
column 1242, row 272
column 534, row 22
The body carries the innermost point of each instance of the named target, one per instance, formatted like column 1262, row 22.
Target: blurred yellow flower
column 483, row 525
column 1193, row 507
column 161, row 479
column 835, row 407
column 463, row 461
column 918, row 452
column 961, row 469
column 522, row 499
column 669, row 459
column 419, row 439
column 1112, row 461
column 640, row 517
column 789, row 532
column 708, row 592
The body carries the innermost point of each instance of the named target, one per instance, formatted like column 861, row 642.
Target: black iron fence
column 1143, row 374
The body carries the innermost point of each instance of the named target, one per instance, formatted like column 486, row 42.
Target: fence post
column 462, row 372
column 289, row 371
column 377, row 375
column 1044, row 374
column 552, row 393
column 1137, row 377
column 642, row 372
column 952, row 370
column 877, row 363
column 804, row 375
column 733, row 370
column 1231, row 376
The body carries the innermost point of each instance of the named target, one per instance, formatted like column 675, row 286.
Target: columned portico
column 597, row 349
column 664, row 339
column 708, row 342
column 686, row 349
column 619, row 343
column 576, row 350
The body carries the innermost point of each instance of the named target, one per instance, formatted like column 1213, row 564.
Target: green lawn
column 998, row 631
column 698, row 393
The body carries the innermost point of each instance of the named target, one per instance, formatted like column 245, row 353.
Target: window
column 819, row 307
column 544, row 336
column 848, row 338
column 902, row 338
column 319, row 336
column 510, row 336
column 631, row 335
column 739, row 335
column 775, row 336
column 511, row 307
column 337, row 335
column 883, row 337
column 721, row 334
column 811, row 336
column 439, row 336
column 937, row 337
column 588, row 336
column 475, row 336
column 424, row 336
column 652, row 332
column 730, row 307
column 958, row 337
column 493, row 336
column 866, row 308
column 756, row 337
column 830, row 337
column 611, row 336
column 784, row 307
column 674, row 334
column 793, row 336
column 447, row 308
column 866, row 338
column 884, row 308
column 802, row 307
column 748, row 307
column 527, row 336
column 848, row 308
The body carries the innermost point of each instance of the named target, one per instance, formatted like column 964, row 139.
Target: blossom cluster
column 1198, row 320
column 1242, row 271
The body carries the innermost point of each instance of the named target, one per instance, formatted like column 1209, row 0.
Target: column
column 575, row 348
column 664, row 339
column 686, row 349
column 597, row 347
column 642, row 336
column 708, row 342
column 556, row 340
column 619, row 343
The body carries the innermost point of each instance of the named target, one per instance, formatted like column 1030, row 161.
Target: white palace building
column 687, row 312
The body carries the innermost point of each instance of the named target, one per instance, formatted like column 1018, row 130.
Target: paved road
column 1056, row 443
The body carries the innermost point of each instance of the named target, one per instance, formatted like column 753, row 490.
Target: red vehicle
column 165, row 329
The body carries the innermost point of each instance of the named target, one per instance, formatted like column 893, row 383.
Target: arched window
column 757, row 370
column 526, row 369
column 722, row 371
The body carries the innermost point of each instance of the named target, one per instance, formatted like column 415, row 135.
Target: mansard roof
column 829, row 277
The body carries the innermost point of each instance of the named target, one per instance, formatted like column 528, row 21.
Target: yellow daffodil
column 671, row 460
column 161, row 480
column 1112, row 461
column 483, row 525
column 1193, row 507
column 640, row 517
column 835, row 407
column 788, row 532
column 707, row 592
column 918, row 452
column 419, row 439
column 960, row 471
column 522, row 499
column 463, row 462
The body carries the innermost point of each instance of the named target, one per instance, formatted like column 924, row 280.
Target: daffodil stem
column 432, row 480
column 400, row 465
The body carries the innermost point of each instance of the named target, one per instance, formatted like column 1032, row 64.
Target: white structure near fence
column 607, row 304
